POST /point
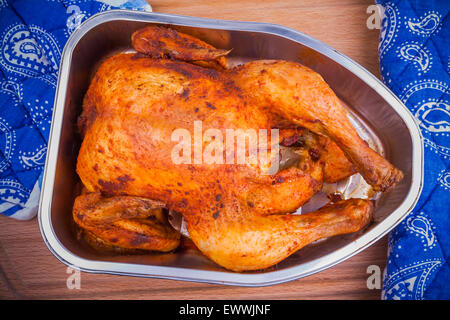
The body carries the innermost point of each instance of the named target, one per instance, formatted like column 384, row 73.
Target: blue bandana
column 32, row 36
column 414, row 56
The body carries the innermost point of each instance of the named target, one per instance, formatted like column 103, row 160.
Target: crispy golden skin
column 235, row 214
column 125, row 222
column 161, row 42
column 244, row 240
column 336, row 166
column 300, row 96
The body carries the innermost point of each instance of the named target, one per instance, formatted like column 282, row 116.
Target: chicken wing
column 160, row 42
column 125, row 222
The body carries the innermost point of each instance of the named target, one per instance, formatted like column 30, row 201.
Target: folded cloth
column 414, row 53
column 32, row 36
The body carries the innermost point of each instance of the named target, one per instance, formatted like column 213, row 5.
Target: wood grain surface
column 29, row 270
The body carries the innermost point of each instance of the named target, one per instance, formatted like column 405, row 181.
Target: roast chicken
column 237, row 214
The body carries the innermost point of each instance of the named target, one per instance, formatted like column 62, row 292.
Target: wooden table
column 29, row 270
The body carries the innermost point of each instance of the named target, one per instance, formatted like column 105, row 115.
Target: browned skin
column 336, row 165
column 162, row 42
column 235, row 214
column 125, row 222
column 299, row 95
column 244, row 240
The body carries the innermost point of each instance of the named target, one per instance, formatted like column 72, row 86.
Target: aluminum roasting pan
column 367, row 97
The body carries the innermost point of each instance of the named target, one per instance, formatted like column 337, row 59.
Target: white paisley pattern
column 75, row 18
column 415, row 65
column 444, row 179
column 33, row 160
column 14, row 89
column 444, row 152
column 424, row 228
column 423, row 84
column 410, row 280
column 13, row 192
column 7, row 144
column 433, row 115
column 23, row 55
column 424, row 26
column 419, row 55
column 391, row 24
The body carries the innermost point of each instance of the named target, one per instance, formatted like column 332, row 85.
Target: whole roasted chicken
column 237, row 214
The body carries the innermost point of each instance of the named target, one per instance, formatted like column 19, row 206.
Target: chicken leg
column 255, row 241
column 300, row 95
